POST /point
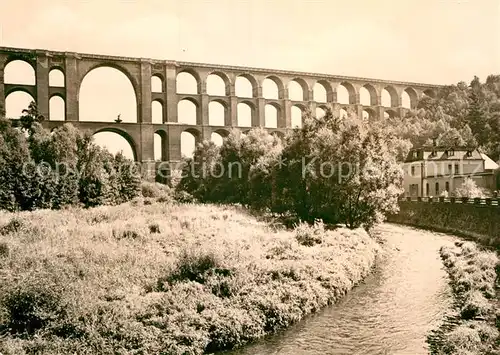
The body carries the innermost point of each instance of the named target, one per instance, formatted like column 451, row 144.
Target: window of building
column 450, row 169
column 415, row 154
column 437, row 188
column 451, row 152
column 427, row 190
column 457, row 169
column 413, row 170
column 469, row 153
column 447, row 186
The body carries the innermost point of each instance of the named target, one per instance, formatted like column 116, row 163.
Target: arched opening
column 19, row 72
column 107, row 94
column 430, row 93
column 187, row 112
column 56, row 109
column 343, row 113
column 364, row 96
column 56, row 78
column 405, row 100
column 216, row 113
column 271, row 118
column 156, row 84
column 16, row 102
column 216, row 85
column 368, row 114
column 390, row 97
column 243, row 87
column 320, row 112
column 160, row 146
column 270, row 89
column 320, row 92
column 409, row 99
column 186, row 83
column 296, row 90
column 368, row 95
column 188, row 143
column 157, row 141
column 244, row 115
column 217, row 139
column 346, row 93
column 296, row 113
column 390, row 114
column 157, row 112
column 115, row 142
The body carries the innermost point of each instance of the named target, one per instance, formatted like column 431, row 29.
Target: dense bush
column 39, row 169
column 340, row 171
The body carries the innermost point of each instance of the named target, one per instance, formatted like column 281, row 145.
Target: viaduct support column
column 42, row 84
column 231, row 118
column 379, row 111
column 171, row 93
column 259, row 118
column 358, row 109
column 202, row 117
column 144, row 119
column 145, row 93
column 2, row 90
column 285, row 117
column 174, row 143
column 71, row 87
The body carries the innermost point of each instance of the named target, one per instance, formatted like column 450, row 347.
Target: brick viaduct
column 140, row 71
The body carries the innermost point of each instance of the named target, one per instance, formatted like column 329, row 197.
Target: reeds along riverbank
column 163, row 278
column 474, row 326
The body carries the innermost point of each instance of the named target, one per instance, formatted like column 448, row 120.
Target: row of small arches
column 187, row 112
column 22, row 73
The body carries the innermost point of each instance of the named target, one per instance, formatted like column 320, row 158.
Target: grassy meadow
column 152, row 277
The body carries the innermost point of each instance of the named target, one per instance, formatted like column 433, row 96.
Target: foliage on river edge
column 341, row 171
column 152, row 277
column 474, row 277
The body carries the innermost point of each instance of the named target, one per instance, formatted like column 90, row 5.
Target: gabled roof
column 444, row 153
column 489, row 164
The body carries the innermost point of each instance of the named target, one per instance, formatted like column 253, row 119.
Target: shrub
column 475, row 305
column 308, row 235
column 154, row 228
column 31, row 305
column 4, row 250
column 13, row 226
column 196, row 265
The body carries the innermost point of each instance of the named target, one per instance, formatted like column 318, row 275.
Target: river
column 391, row 312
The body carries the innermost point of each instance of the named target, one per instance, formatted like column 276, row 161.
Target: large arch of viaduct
column 140, row 72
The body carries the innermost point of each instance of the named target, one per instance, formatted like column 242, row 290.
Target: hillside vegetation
column 159, row 278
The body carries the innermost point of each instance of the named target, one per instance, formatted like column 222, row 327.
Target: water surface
column 391, row 312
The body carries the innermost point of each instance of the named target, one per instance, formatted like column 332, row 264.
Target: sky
column 429, row 41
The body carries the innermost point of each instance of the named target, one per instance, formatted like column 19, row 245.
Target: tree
column 340, row 171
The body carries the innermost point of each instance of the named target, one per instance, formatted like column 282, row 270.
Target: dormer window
column 415, row 154
column 469, row 153
column 451, row 152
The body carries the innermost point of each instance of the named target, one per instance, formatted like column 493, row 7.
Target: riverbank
column 153, row 278
column 474, row 326
column 475, row 222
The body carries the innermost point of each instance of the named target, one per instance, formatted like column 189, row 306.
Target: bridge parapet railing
column 458, row 200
